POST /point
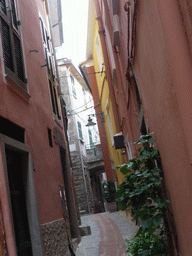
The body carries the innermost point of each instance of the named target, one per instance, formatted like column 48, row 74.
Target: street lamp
column 90, row 121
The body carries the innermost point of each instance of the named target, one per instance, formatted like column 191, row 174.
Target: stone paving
column 108, row 233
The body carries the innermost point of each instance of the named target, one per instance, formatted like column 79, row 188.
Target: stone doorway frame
column 32, row 208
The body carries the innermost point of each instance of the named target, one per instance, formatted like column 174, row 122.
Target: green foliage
column 141, row 191
column 109, row 191
column 147, row 244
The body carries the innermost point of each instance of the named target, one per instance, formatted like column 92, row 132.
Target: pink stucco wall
column 35, row 114
column 162, row 69
column 163, row 73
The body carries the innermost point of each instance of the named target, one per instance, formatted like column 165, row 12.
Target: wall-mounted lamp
column 90, row 121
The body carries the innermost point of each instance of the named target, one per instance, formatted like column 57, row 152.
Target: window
column 11, row 42
column 99, row 53
column 49, row 62
column 90, row 137
column 110, row 127
column 80, row 130
column 73, row 85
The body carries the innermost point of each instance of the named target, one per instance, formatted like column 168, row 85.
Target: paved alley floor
column 108, row 233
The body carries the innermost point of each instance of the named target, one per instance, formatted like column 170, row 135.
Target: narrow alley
column 95, row 116
column 108, row 234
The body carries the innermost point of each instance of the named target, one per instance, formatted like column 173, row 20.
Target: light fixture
column 90, row 122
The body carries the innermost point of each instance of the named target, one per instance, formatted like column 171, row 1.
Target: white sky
column 75, row 15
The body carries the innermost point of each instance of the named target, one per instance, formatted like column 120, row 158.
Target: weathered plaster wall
column 81, row 180
column 157, row 81
column 34, row 113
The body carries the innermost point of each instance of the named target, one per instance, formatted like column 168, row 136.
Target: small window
column 90, row 137
column 72, row 79
column 80, row 130
column 110, row 126
column 50, row 137
column 137, row 95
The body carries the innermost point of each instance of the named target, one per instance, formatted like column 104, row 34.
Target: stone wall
column 55, row 238
column 84, row 194
column 94, row 154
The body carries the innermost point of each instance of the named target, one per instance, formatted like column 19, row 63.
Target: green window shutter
column 6, row 42
column 19, row 58
column 3, row 6
column 90, row 137
column 11, row 44
column 80, row 130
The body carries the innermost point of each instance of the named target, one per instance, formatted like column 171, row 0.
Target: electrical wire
column 80, row 111
column 71, row 110
column 85, row 74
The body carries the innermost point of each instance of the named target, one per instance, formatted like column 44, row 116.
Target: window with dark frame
column 11, row 42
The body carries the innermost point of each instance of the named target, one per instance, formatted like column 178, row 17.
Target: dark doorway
column 97, row 193
column 69, row 194
column 15, row 162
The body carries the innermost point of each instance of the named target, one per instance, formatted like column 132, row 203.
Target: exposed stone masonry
column 55, row 238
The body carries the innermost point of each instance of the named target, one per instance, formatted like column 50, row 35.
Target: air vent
column 119, row 140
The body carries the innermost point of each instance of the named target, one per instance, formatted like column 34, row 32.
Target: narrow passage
column 108, row 233
column 111, row 241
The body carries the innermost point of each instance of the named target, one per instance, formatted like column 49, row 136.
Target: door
column 15, row 169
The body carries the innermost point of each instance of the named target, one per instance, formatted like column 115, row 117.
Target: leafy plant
column 109, row 191
column 141, row 191
column 147, row 244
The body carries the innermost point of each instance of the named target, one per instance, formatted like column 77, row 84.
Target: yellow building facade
column 117, row 156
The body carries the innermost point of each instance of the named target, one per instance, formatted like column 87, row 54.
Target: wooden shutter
column 18, row 58
column 6, row 42
column 52, row 97
column 3, row 6
column 14, row 15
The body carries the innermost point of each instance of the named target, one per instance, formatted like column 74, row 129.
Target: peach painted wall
column 162, row 67
column 35, row 114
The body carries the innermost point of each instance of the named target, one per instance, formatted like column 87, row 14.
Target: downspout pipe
column 107, row 65
column 122, row 92
column 180, row 61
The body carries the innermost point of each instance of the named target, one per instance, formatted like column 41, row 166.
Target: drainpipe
column 179, row 58
column 122, row 92
column 107, row 65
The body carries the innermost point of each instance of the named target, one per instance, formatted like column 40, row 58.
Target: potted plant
column 109, row 195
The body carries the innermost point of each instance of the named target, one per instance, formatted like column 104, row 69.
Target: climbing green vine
column 141, row 191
